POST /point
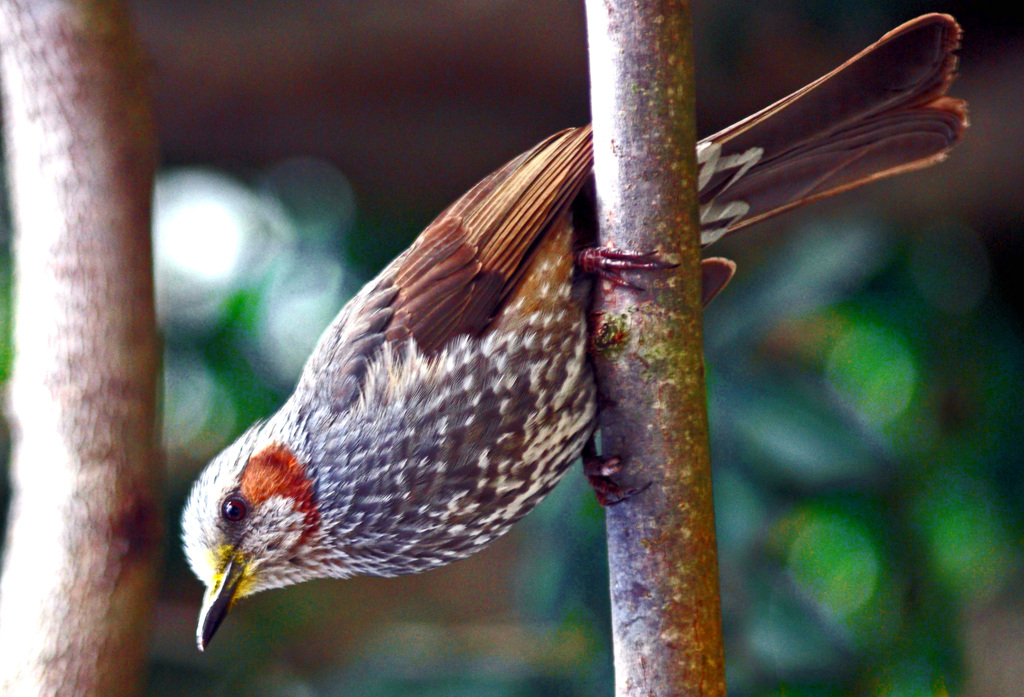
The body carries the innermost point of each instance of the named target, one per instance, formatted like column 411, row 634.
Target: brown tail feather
column 882, row 112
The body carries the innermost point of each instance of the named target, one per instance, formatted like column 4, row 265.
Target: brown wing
column 457, row 274
column 454, row 278
column 882, row 112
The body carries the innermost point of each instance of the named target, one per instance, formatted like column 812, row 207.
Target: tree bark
column 649, row 355
column 82, row 548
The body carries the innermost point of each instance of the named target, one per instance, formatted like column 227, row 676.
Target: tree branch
column 661, row 542
column 80, row 571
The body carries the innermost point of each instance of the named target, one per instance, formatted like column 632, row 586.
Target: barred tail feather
column 883, row 112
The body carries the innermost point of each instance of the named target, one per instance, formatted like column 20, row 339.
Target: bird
column 451, row 393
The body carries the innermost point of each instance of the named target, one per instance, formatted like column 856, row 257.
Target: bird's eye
column 234, row 509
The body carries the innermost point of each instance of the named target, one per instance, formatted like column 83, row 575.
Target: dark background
column 864, row 369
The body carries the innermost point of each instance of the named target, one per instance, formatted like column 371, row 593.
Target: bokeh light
column 835, row 559
column 302, row 297
column 873, row 368
column 969, row 547
column 211, row 235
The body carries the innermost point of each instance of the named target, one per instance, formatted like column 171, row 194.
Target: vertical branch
column 661, row 542
column 79, row 576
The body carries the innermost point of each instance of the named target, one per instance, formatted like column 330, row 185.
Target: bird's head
column 251, row 523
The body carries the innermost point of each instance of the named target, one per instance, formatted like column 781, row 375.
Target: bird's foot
column 600, row 472
column 609, row 263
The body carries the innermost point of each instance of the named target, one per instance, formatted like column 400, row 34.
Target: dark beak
column 218, row 600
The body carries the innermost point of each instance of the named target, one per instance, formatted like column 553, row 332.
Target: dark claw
column 608, row 492
column 609, row 263
column 600, row 472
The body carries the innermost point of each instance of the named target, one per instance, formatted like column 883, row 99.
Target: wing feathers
column 882, row 112
column 454, row 278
